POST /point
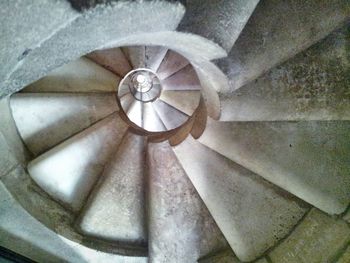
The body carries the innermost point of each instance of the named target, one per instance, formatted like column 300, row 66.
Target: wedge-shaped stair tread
column 150, row 119
column 311, row 86
column 68, row 171
column 219, row 20
column 269, row 39
column 185, row 101
column 308, row 159
column 112, row 59
column 135, row 113
column 126, row 101
column 154, row 57
column 136, row 56
column 184, row 79
column 180, row 226
column 171, row 64
column 82, row 75
column 116, row 208
column 45, row 119
column 171, row 117
column 252, row 213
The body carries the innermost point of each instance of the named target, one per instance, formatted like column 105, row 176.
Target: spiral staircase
column 153, row 131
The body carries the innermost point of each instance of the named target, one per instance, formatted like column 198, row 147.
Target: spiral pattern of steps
column 158, row 147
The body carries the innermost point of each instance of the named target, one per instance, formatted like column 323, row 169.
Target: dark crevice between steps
column 82, row 5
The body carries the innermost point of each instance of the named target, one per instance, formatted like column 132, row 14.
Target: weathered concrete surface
column 319, row 238
column 344, row 258
column 94, row 29
column 180, row 226
column 25, row 25
column 308, row 159
column 347, row 216
column 10, row 135
column 269, row 38
column 7, row 160
column 46, row 119
column 226, row 256
column 171, row 117
column 68, row 171
column 314, row 85
column 221, row 21
column 112, row 59
column 252, row 213
column 115, row 210
column 183, row 100
column 81, row 75
column 23, row 234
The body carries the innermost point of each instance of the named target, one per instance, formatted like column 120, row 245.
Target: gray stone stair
column 172, row 63
column 310, row 86
column 308, row 159
column 115, row 210
column 84, row 156
column 45, row 119
column 136, row 56
column 171, row 117
column 154, row 57
column 181, row 228
column 222, row 20
column 185, row 101
column 269, row 38
column 184, row 79
column 252, row 213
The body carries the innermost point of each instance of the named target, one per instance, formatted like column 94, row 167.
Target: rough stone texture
column 90, row 31
column 221, row 21
column 171, row 117
column 46, row 119
column 180, row 226
column 269, row 38
column 9, row 133
column 68, row 171
column 319, row 238
column 25, row 25
column 7, row 160
column 308, row 159
column 25, row 235
column 345, row 258
column 112, row 59
column 252, row 213
column 314, row 85
column 81, row 75
column 185, row 101
column 226, row 256
column 347, row 216
column 118, row 198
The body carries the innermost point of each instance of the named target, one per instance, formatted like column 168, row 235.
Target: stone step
column 112, row 59
column 134, row 113
column 115, row 210
column 184, row 79
column 181, row 228
column 308, row 159
column 46, row 119
column 150, row 119
column 68, row 171
column 25, row 235
column 252, row 213
column 221, row 21
column 136, row 56
column 311, row 86
column 154, row 57
column 185, row 101
column 172, row 63
column 318, row 238
column 171, row 117
column 81, row 75
column 126, row 101
column 269, row 39
column 98, row 28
